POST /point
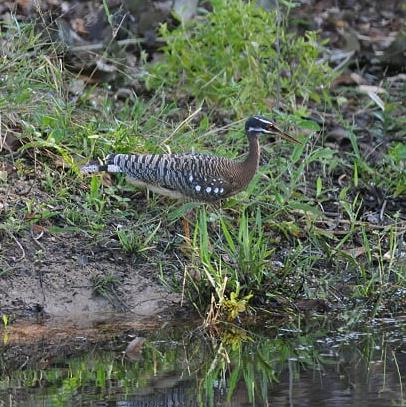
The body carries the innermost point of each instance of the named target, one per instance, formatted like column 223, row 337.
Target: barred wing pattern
column 196, row 176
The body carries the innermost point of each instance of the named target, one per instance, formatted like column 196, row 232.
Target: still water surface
column 313, row 366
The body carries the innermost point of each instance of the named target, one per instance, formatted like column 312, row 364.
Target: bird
column 192, row 176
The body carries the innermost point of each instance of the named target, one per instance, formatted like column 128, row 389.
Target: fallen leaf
column 3, row 176
column 378, row 101
column 134, row 348
column 9, row 142
column 38, row 229
column 79, row 25
column 355, row 252
column 371, row 88
column 349, row 79
column 372, row 92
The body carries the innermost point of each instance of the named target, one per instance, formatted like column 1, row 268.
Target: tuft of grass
column 135, row 243
column 102, row 285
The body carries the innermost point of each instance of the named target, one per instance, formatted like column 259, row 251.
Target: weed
column 103, row 284
column 133, row 242
column 5, row 320
column 234, row 266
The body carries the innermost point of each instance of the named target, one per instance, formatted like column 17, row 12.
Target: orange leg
column 186, row 230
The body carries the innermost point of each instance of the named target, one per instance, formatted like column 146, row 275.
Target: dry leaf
column 38, row 229
column 9, row 142
column 79, row 26
column 372, row 92
column 106, row 180
column 3, row 176
column 355, row 252
column 371, row 88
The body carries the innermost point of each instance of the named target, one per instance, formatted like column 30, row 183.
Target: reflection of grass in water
column 218, row 366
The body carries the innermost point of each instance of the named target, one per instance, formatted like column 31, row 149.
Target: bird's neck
column 249, row 166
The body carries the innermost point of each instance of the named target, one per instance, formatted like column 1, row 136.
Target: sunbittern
column 197, row 177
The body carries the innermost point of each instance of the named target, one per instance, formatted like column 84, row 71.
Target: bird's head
column 257, row 125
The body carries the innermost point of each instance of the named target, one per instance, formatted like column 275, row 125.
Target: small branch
column 19, row 245
column 102, row 45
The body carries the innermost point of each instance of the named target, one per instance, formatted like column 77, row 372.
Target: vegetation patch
column 241, row 58
column 322, row 222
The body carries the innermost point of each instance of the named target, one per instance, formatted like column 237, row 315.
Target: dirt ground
column 54, row 274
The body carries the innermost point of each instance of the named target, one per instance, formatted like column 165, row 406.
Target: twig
column 101, row 45
column 182, row 123
column 183, row 287
column 19, row 245
column 36, row 240
column 382, row 212
column 2, row 138
column 398, row 228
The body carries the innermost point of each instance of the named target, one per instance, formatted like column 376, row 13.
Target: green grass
column 241, row 58
column 303, row 229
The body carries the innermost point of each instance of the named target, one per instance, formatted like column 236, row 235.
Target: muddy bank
column 55, row 274
column 62, row 281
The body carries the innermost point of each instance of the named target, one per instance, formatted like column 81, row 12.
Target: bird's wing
column 203, row 177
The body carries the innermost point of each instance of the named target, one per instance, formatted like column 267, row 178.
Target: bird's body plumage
column 197, row 177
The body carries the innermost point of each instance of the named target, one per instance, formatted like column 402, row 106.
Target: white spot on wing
column 216, row 190
column 198, row 188
column 208, row 190
column 191, row 178
column 221, row 190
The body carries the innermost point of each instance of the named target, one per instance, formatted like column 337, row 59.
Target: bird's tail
column 109, row 165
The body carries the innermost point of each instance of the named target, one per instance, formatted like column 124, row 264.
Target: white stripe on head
column 258, row 130
column 263, row 120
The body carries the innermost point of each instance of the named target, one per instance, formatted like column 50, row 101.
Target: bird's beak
column 277, row 131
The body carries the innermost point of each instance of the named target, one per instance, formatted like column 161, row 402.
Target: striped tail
column 93, row 166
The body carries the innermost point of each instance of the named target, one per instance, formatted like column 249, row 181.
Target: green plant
column 241, row 58
column 5, row 320
column 235, row 305
column 103, row 284
column 234, row 265
column 133, row 242
column 95, row 198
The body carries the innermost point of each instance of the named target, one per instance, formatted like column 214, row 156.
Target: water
column 313, row 365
